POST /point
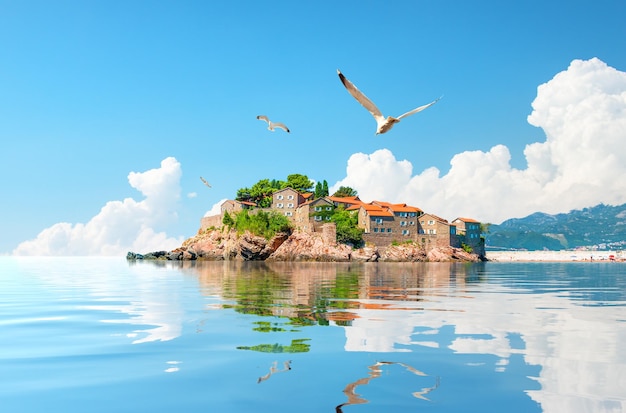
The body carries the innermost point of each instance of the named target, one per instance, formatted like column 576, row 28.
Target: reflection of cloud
column 143, row 297
column 163, row 324
column 577, row 347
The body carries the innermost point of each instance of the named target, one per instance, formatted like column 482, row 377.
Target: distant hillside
column 601, row 227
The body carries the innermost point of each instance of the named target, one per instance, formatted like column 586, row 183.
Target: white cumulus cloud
column 582, row 111
column 120, row 226
column 216, row 209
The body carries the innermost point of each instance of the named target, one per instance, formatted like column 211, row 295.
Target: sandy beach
column 586, row 256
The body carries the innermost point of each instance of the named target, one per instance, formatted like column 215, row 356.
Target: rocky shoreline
column 216, row 245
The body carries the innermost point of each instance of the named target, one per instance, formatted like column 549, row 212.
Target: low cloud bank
column 120, row 226
column 582, row 111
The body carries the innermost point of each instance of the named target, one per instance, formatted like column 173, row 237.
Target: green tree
column 325, row 188
column 485, row 227
column 345, row 191
column 318, row 190
column 348, row 231
column 228, row 220
column 299, row 182
column 260, row 193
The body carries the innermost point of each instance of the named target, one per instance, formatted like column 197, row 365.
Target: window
column 379, row 220
column 388, row 229
column 432, row 231
column 288, row 213
column 318, row 208
column 279, row 197
column 403, row 223
column 290, row 197
column 412, row 214
column 375, row 229
column 405, row 232
column 402, row 214
column 431, row 222
column 318, row 218
column 329, row 208
column 327, row 218
column 411, row 222
column 290, row 205
column 279, row 205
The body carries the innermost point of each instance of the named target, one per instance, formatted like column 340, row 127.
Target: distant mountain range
column 601, row 227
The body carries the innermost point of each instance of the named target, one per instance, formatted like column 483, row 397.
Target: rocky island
column 214, row 245
column 286, row 221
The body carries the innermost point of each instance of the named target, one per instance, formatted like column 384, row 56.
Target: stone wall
column 212, row 221
column 329, row 233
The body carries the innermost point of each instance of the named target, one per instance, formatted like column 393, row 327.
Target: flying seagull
column 272, row 125
column 383, row 124
column 205, row 182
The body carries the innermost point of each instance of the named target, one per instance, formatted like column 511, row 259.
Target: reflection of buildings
column 329, row 291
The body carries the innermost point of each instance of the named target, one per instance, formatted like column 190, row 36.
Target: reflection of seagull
column 383, row 124
column 375, row 372
column 271, row 125
column 422, row 394
column 274, row 369
column 205, row 182
column 406, row 366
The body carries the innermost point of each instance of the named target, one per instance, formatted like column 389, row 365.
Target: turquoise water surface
column 106, row 335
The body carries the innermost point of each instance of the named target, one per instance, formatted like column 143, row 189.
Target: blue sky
column 94, row 92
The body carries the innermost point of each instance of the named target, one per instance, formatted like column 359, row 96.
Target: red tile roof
column 346, row 199
column 467, row 220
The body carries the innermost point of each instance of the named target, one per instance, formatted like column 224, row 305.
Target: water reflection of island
column 375, row 372
column 320, row 293
column 473, row 309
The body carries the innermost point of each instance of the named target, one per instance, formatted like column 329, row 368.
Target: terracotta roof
column 376, row 210
column 397, row 207
column 379, row 213
column 404, row 208
column 371, row 207
column 307, row 195
column 345, row 199
column 467, row 220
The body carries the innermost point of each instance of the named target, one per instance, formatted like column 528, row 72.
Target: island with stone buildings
column 391, row 232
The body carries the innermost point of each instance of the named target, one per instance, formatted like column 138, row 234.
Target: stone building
column 383, row 223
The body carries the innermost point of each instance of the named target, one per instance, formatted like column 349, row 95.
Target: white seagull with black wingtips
column 272, row 125
column 383, row 124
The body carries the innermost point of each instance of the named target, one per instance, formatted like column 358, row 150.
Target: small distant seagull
column 272, row 125
column 383, row 124
column 205, row 182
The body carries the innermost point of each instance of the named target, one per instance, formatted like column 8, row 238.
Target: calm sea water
column 105, row 335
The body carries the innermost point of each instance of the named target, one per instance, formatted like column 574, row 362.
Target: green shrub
column 263, row 224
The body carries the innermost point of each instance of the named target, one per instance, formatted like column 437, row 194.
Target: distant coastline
column 555, row 256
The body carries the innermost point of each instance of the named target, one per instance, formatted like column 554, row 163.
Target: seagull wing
column 361, row 98
column 263, row 117
column 280, row 125
column 205, row 182
column 421, row 108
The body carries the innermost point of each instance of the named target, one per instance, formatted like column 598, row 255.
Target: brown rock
column 301, row 246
